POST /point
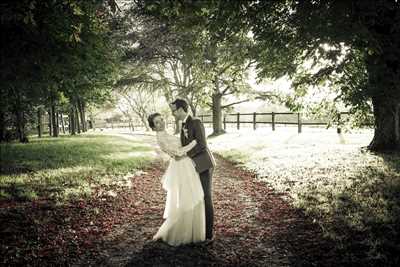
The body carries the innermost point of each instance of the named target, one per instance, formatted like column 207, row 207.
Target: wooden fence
column 272, row 118
column 254, row 119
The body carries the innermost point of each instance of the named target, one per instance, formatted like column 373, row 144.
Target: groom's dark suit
column 204, row 162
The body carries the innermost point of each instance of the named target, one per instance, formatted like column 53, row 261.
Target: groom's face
column 178, row 113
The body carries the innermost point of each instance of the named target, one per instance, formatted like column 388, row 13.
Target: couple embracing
column 188, row 213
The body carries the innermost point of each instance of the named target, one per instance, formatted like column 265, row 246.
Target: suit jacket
column 193, row 129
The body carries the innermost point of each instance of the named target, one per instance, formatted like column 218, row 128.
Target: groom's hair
column 180, row 103
column 150, row 119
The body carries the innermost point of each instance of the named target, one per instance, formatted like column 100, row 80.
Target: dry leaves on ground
column 254, row 226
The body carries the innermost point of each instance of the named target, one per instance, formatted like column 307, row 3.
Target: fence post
column 273, row 121
column 202, row 118
column 224, row 122
column 238, row 120
column 254, row 120
column 339, row 130
column 298, row 123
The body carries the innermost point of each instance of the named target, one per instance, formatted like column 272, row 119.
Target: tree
column 355, row 43
column 139, row 101
column 158, row 59
column 228, row 70
column 52, row 48
column 217, row 62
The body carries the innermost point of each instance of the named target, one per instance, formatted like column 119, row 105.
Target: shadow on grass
column 391, row 159
column 364, row 218
column 304, row 244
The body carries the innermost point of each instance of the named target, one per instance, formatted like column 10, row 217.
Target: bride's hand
column 179, row 157
column 180, row 153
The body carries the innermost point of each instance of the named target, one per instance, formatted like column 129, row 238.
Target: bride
column 184, row 209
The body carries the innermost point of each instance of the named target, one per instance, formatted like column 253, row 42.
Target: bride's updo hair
column 150, row 119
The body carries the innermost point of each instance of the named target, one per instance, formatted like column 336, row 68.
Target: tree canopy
column 63, row 54
column 350, row 45
column 203, row 66
column 52, row 50
column 355, row 43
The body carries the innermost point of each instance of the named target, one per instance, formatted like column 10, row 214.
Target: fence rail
column 254, row 119
column 298, row 120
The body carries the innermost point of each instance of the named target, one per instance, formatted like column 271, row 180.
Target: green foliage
column 55, row 49
column 178, row 35
column 157, row 58
column 350, row 45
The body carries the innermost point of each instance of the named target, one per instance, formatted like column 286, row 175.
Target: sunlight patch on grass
column 236, row 156
column 69, row 166
column 77, row 192
column 127, row 155
column 330, row 177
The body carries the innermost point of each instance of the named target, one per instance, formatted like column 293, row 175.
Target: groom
column 193, row 129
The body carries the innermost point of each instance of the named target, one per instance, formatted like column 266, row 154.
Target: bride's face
column 159, row 123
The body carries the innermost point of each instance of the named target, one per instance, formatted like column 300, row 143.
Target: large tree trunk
column 81, row 108
column 72, row 123
column 386, row 132
column 39, row 122
column 2, row 125
column 20, row 119
column 50, row 124
column 3, row 114
column 58, row 123
column 92, row 122
column 78, row 127
column 217, row 114
column 383, row 85
column 20, row 123
column 62, row 122
column 54, row 120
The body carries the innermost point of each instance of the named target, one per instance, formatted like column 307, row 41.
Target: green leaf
column 77, row 11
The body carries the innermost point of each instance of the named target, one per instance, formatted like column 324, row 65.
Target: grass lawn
column 353, row 194
column 64, row 167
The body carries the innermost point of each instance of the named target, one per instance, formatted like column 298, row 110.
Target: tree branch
column 235, row 103
column 225, row 69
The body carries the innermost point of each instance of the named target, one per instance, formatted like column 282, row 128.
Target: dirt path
column 253, row 227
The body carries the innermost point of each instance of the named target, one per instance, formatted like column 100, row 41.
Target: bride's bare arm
column 183, row 150
column 164, row 156
column 173, row 149
column 165, row 148
column 168, row 151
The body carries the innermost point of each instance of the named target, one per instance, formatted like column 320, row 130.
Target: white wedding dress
column 184, row 212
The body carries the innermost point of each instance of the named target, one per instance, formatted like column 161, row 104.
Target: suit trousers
column 206, row 183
